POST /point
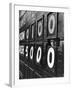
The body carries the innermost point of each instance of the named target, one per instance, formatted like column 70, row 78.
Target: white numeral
column 40, row 29
column 50, row 63
column 51, row 24
column 39, row 54
column 31, row 52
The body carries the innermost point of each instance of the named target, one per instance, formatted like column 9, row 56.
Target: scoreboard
column 41, row 44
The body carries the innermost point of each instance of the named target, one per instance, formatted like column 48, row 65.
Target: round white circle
column 31, row 52
column 27, row 34
column 50, row 63
column 39, row 29
column 38, row 57
column 51, row 24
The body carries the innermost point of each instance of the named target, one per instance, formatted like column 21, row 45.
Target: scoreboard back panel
column 41, row 44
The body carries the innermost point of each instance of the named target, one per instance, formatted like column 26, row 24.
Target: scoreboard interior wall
column 41, row 44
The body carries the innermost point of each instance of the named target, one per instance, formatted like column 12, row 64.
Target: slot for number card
column 32, row 53
column 40, row 28
column 52, row 25
column 38, row 54
column 51, row 60
column 33, row 30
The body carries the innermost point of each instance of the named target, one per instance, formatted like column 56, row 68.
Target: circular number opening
column 50, row 57
column 39, row 29
column 31, row 53
column 39, row 53
column 51, row 24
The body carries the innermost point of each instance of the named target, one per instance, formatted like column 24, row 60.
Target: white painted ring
column 50, row 64
column 51, row 18
column 38, row 57
column 39, row 30
column 31, row 52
